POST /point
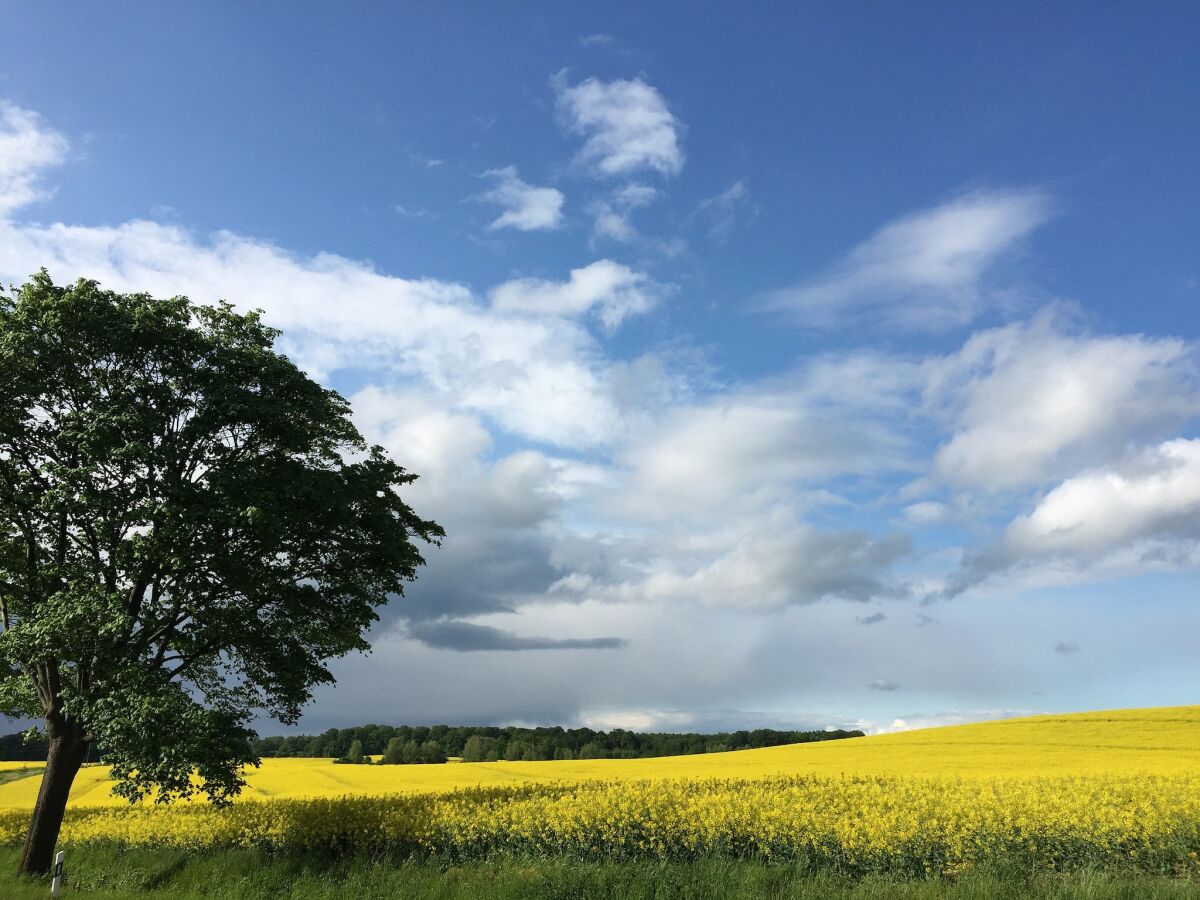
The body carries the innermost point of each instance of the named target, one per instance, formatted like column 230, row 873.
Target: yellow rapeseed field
column 1117, row 788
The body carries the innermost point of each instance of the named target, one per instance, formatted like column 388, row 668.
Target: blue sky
column 800, row 364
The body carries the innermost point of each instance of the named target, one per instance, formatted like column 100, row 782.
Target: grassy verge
column 8, row 775
column 109, row 873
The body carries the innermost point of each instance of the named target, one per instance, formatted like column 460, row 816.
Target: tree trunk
column 67, row 751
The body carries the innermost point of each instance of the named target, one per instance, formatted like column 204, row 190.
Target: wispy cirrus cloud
column 723, row 210
column 612, row 215
column 923, row 272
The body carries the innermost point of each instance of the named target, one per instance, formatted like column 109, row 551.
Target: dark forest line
column 485, row 743
column 490, row 743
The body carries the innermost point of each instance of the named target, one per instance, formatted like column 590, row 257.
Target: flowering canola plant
column 1102, row 789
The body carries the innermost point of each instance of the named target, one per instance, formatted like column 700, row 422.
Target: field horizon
column 1157, row 740
column 1094, row 804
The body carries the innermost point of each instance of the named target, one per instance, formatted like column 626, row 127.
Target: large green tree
column 190, row 527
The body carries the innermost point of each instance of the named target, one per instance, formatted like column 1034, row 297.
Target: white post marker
column 56, row 884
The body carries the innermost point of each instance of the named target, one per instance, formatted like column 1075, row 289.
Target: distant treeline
column 422, row 743
column 14, row 747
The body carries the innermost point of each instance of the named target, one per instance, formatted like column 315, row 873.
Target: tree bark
column 67, row 752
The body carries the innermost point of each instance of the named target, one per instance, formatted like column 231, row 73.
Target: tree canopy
column 190, row 527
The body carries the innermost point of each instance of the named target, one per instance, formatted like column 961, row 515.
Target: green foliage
column 190, row 527
column 393, row 754
column 354, row 756
column 477, row 748
column 399, row 751
column 431, row 752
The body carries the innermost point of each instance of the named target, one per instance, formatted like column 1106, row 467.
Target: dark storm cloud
column 473, row 574
column 466, row 637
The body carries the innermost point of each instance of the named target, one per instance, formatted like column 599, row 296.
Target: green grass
column 110, row 873
column 17, row 774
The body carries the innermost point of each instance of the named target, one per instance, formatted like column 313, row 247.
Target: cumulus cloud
column 1033, row 401
column 526, row 208
column 613, row 290
column 926, row 271
column 767, row 563
column 626, row 126
column 465, row 637
column 27, row 146
column 746, row 450
column 541, row 378
column 872, row 619
column 502, row 512
column 1139, row 514
column 1154, row 495
column 588, row 497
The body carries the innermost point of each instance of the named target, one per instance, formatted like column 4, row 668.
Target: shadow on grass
column 106, row 873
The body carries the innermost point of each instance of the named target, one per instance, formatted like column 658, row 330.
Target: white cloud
column 612, row 215
column 412, row 212
column 668, row 513
column 762, row 563
column 626, row 125
column 1152, row 496
column 542, row 378
column 1032, row 402
column 927, row 512
column 527, row 208
column 722, row 210
column 27, row 146
column 614, row 290
column 744, row 451
column 597, row 40
column 925, row 271
column 1139, row 514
